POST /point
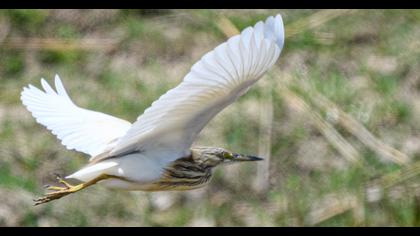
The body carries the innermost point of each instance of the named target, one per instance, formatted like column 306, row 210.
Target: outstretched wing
column 172, row 122
column 86, row 131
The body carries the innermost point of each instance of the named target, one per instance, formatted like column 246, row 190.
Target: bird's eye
column 227, row 155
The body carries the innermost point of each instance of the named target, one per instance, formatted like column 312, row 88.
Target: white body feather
column 138, row 168
column 166, row 130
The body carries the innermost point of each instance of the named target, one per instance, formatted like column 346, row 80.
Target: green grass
column 9, row 180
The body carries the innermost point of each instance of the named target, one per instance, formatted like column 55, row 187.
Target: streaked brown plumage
column 194, row 171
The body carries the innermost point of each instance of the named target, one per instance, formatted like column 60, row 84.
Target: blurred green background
column 337, row 119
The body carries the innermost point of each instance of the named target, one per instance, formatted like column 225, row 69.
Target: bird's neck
column 187, row 167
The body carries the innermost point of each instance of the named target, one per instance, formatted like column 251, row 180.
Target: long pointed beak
column 240, row 157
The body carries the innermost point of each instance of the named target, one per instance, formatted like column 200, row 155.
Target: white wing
column 86, row 131
column 172, row 123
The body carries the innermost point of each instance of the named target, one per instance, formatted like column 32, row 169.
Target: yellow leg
column 60, row 192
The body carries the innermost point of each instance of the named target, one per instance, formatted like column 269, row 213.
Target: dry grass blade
column 227, row 27
column 400, row 176
column 322, row 102
column 331, row 134
column 334, row 205
column 354, row 127
column 59, row 44
column 313, row 21
column 310, row 22
column 376, row 188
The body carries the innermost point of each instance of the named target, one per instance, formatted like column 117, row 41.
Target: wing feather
column 172, row 122
column 86, row 131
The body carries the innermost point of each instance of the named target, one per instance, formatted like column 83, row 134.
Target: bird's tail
column 92, row 171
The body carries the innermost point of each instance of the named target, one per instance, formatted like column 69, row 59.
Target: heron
column 155, row 152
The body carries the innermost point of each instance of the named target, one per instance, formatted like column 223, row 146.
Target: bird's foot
column 58, row 192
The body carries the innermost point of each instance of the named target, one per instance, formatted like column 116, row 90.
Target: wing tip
column 275, row 28
column 45, row 89
column 271, row 28
column 57, row 81
column 25, row 93
column 280, row 27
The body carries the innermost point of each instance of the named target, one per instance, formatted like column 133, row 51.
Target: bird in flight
column 154, row 153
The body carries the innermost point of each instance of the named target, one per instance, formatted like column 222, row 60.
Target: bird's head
column 213, row 156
